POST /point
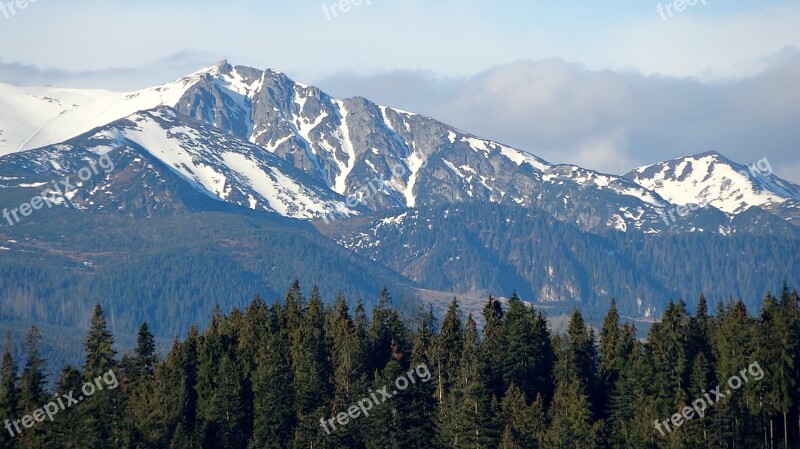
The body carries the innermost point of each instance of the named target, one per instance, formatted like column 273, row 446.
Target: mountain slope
column 159, row 148
column 481, row 248
column 170, row 270
column 384, row 157
column 37, row 116
column 380, row 157
column 711, row 179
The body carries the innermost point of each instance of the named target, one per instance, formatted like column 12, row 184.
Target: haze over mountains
column 237, row 145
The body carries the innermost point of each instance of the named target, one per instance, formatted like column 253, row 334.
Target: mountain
column 234, row 181
column 713, row 180
column 375, row 156
column 169, row 270
column 478, row 249
column 159, row 155
column 37, row 116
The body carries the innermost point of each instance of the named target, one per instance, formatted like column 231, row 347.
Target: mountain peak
column 713, row 153
column 710, row 178
column 224, row 67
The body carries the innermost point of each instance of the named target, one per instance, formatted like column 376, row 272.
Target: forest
column 287, row 374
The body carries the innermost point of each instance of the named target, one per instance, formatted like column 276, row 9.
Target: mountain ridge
column 416, row 160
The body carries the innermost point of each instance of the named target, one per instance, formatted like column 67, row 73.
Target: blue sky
column 447, row 37
column 494, row 68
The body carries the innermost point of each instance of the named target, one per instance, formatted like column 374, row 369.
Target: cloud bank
column 608, row 120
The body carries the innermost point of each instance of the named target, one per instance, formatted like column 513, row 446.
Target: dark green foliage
column 144, row 355
column 501, row 248
column 9, row 395
column 155, row 270
column 289, row 375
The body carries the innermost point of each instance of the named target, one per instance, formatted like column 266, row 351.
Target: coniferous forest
column 297, row 374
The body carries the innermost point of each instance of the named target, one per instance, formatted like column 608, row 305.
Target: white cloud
column 613, row 121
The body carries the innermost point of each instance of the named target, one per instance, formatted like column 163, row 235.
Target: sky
column 608, row 85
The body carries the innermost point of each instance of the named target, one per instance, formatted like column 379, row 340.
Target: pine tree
column 448, row 350
column 71, row 418
column 32, row 389
column 144, row 355
column 9, row 397
column 571, row 423
column 350, row 376
column 519, row 418
column 101, row 411
column 273, row 406
column 228, row 425
column 610, row 341
column 493, row 346
column 312, row 372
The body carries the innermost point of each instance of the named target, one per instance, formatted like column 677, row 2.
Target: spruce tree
column 144, row 355
column 448, row 350
column 775, row 355
column 580, row 357
column 228, row 424
column 419, row 396
column 312, row 373
column 571, row 423
column 71, row 418
column 493, row 347
column 32, row 389
column 465, row 419
column 101, row 410
column 519, row 418
column 349, row 368
column 9, row 397
column 610, row 340
column 273, row 392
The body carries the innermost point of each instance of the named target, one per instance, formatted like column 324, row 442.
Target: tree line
column 268, row 375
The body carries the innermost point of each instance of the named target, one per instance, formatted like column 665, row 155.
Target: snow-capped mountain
column 159, row 147
column 33, row 117
column 711, row 179
column 358, row 155
column 386, row 157
column 414, row 201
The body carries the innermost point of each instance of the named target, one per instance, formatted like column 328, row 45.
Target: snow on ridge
column 345, row 167
column 33, row 117
column 711, row 179
column 189, row 154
